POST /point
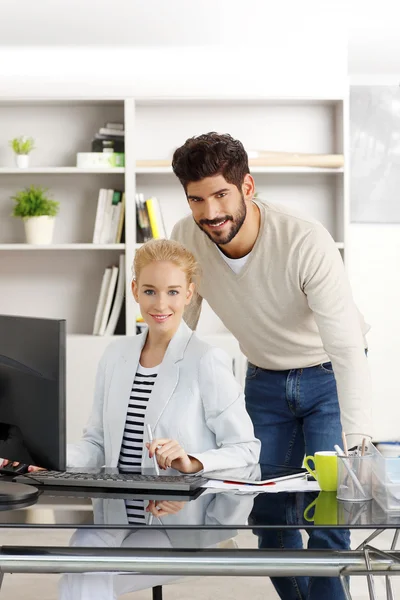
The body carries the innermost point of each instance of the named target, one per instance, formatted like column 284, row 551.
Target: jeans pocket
column 327, row 367
column 252, row 371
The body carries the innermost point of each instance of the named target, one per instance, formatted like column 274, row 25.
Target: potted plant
column 34, row 206
column 22, row 146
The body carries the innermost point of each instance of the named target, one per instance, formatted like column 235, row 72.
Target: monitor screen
column 33, row 390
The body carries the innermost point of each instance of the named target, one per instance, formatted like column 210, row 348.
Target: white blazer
column 212, row 508
column 195, row 400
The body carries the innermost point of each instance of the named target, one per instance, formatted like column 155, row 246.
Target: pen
column 150, row 436
column 258, row 485
column 350, row 471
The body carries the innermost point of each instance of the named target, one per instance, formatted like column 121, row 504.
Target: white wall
column 374, row 259
column 169, row 72
column 373, row 37
column 374, row 250
column 209, row 47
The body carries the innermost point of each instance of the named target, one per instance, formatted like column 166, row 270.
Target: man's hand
column 169, row 453
column 162, row 508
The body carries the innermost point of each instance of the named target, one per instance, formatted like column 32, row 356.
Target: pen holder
column 355, row 478
column 355, row 513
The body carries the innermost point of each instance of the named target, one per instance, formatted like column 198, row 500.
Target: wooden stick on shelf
column 273, row 159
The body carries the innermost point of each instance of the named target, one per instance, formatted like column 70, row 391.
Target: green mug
column 325, row 471
column 326, row 509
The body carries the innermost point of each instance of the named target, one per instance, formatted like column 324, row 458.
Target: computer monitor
column 32, row 391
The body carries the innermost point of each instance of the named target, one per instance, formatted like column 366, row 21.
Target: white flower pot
column 22, row 161
column 39, row 230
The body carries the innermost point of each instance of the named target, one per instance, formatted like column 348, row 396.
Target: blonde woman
column 178, row 384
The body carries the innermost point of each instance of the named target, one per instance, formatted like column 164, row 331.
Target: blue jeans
column 295, row 413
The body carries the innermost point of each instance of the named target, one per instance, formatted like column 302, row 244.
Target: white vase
column 39, row 230
column 22, row 161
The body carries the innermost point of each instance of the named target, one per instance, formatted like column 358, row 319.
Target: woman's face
column 162, row 293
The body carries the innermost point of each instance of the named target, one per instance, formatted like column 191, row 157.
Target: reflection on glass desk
column 207, row 509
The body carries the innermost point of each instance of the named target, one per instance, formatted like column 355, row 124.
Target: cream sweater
column 290, row 306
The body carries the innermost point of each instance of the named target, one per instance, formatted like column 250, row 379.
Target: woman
column 183, row 387
column 171, row 380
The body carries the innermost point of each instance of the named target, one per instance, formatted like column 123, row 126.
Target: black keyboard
column 126, row 481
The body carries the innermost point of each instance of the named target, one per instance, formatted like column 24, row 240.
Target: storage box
column 101, row 160
column 386, row 481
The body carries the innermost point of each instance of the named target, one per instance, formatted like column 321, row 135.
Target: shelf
column 60, row 171
column 340, row 245
column 265, row 170
column 231, row 100
column 62, row 247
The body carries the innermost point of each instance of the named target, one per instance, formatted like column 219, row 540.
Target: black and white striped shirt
column 130, row 458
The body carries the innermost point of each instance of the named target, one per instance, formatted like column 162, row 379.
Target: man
column 277, row 282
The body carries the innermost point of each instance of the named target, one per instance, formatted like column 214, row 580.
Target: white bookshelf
column 63, row 280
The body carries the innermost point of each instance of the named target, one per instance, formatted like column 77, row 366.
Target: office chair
column 157, row 591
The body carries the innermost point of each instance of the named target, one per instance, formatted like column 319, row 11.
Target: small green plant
column 22, row 144
column 34, row 202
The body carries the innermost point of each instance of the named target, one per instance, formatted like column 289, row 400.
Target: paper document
column 290, row 485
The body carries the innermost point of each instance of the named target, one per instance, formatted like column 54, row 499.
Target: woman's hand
column 161, row 508
column 31, row 469
column 169, row 453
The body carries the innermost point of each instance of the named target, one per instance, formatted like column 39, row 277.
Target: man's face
column 218, row 207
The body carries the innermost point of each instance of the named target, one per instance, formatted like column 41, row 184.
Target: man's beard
column 219, row 237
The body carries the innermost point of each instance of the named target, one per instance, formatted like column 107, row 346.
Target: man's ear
column 248, row 187
column 189, row 293
column 135, row 290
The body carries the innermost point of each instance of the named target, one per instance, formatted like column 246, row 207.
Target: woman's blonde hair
column 168, row 251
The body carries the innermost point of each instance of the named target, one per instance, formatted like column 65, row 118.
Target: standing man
column 277, row 282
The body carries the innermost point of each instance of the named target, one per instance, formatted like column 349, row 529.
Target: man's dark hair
column 211, row 154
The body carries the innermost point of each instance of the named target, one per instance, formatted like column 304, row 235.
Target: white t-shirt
column 236, row 264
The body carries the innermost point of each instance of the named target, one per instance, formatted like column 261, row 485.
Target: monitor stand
column 11, row 493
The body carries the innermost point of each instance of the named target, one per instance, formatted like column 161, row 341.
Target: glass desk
column 195, row 532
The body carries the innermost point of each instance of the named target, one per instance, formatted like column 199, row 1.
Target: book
column 118, row 298
column 156, row 220
column 115, row 132
column 98, row 223
column 146, row 218
column 110, row 214
column 102, row 299
column 119, row 126
column 143, row 233
column 107, row 216
column 115, row 215
column 118, row 237
column 108, row 300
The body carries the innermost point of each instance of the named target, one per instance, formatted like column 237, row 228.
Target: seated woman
column 170, row 379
